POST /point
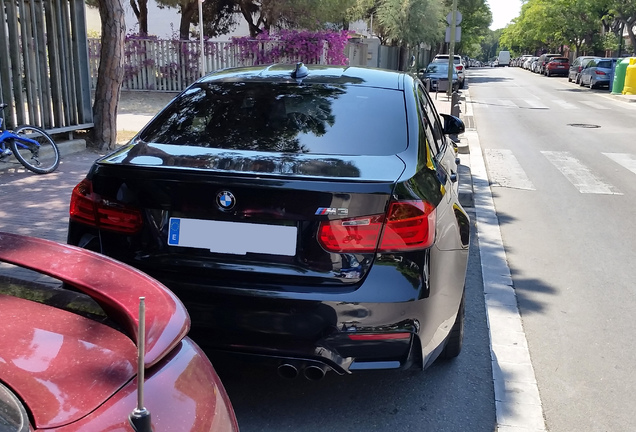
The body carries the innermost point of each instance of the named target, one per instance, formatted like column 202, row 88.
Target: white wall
column 163, row 23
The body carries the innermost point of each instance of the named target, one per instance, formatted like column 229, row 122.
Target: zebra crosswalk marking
column 578, row 174
column 623, row 159
column 535, row 104
column 506, row 103
column 564, row 104
column 505, row 171
column 595, row 105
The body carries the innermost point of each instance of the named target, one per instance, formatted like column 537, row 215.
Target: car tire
column 569, row 78
column 455, row 338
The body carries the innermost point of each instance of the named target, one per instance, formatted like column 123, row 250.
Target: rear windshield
column 605, row 64
column 437, row 68
column 560, row 60
column 456, row 60
column 284, row 117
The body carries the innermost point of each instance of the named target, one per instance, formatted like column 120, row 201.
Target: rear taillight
column 408, row 225
column 460, row 67
column 598, row 72
column 90, row 208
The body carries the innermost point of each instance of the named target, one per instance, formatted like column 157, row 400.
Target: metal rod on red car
column 140, row 417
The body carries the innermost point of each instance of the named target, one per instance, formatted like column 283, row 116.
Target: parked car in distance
column 459, row 66
column 522, row 60
column 307, row 216
column 527, row 64
column 598, row 72
column 543, row 60
column 435, row 76
column 557, row 66
column 577, row 66
column 503, row 58
column 70, row 326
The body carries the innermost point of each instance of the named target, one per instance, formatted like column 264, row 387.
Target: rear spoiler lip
column 114, row 285
column 356, row 168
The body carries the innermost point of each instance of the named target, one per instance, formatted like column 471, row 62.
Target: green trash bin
column 619, row 76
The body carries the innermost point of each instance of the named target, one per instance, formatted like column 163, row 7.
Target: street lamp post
column 451, row 49
column 201, row 37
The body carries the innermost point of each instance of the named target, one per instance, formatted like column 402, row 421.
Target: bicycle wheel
column 41, row 159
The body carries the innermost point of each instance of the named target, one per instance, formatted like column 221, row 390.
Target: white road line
column 535, row 104
column 517, row 401
column 506, row 103
column 595, row 105
column 578, row 174
column 505, row 171
column 624, row 159
column 565, row 105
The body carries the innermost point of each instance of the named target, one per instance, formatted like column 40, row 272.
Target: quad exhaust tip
column 313, row 372
column 288, row 370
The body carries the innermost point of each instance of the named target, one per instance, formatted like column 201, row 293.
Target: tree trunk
column 188, row 8
column 629, row 24
column 141, row 12
column 111, row 73
column 403, row 62
column 254, row 30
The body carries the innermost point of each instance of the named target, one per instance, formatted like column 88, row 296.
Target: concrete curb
column 623, row 98
column 517, row 401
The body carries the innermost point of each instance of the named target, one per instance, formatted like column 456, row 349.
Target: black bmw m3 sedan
column 306, row 215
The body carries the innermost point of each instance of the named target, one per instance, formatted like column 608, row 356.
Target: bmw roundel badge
column 225, row 200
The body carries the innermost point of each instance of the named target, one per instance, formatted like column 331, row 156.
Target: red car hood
column 64, row 365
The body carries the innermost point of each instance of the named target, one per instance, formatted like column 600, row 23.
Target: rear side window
column 285, row 117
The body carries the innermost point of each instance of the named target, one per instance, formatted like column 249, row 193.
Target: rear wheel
column 41, row 158
column 456, row 336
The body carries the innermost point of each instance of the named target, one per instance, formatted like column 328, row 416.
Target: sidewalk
column 443, row 104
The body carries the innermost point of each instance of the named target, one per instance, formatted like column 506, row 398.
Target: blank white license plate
column 236, row 238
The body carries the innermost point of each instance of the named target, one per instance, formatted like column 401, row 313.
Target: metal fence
column 44, row 64
column 172, row 65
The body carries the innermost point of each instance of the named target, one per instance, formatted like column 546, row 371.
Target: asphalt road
column 561, row 163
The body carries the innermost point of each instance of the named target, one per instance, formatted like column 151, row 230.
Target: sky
column 503, row 11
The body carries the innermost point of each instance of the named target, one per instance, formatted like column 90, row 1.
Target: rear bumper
column 341, row 336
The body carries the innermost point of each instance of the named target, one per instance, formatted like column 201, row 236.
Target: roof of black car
column 318, row 74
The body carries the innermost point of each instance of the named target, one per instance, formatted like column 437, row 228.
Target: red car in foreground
column 68, row 357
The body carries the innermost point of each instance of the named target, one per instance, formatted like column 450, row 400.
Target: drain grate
column 584, row 125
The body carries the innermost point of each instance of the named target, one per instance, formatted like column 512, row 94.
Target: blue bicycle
column 31, row 146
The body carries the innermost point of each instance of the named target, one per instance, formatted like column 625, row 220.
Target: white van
column 504, row 58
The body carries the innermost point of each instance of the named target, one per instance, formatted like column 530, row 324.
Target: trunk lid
column 242, row 216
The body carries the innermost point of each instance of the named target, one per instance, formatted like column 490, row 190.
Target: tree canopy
column 548, row 25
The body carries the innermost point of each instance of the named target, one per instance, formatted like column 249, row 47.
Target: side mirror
column 453, row 125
